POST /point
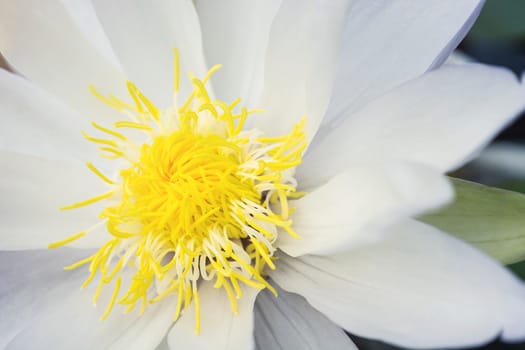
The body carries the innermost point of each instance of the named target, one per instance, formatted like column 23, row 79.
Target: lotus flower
column 268, row 202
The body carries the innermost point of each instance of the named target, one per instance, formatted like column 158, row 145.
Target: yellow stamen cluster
column 200, row 199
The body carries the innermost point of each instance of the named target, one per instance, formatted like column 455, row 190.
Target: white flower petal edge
column 244, row 28
column 35, row 123
column 370, row 63
column 43, row 43
column 149, row 330
column 305, row 38
column 419, row 288
column 355, row 207
column 163, row 345
column 146, row 34
column 33, row 190
column 62, row 317
column 83, row 13
column 31, row 281
column 412, row 122
column 220, row 327
column 289, row 322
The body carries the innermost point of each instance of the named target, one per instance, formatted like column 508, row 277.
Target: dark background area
column 498, row 38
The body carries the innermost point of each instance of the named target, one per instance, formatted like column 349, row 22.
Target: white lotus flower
column 386, row 131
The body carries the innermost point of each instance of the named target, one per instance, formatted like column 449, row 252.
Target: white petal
column 289, row 322
column 300, row 64
column 163, row 345
column 43, row 43
column 355, row 207
column 149, row 330
column 34, row 122
column 235, row 35
column 441, row 119
column 390, row 42
column 83, row 13
column 33, row 190
column 420, row 288
column 220, row 327
column 31, row 282
column 144, row 34
column 61, row 316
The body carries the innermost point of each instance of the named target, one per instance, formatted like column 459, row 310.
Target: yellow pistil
column 200, row 199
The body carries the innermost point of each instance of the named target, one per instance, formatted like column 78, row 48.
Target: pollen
column 196, row 199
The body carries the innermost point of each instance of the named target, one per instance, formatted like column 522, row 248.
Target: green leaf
column 489, row 218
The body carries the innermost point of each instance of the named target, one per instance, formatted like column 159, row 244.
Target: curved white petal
column 420, row 288
column 48, row 309
column 148, row 331
column 144, row 34
column 220, row 328
column 83, row 13
column 42, row 41
column 31, row 282
column 34, row 122
column 355, row 207
column 390, row 42
column 33, row 190
column 235, row 35
column 442, row 119
column 300, row 64
column 289, row 322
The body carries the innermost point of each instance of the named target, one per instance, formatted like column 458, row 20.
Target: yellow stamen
column 113, row 298
column 67, row 240
column 197, row 308
column 141, row 99
column 176, row 74
column 99, row 173
column 132, row 125
column 78, row 263
column 100, row 141
column 104, row 99
column 115, row 152
column 88, row 201
column 198, row 200
column 109, row 131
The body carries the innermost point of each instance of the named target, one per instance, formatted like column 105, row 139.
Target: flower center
column 199, row 200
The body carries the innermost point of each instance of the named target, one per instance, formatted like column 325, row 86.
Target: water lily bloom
column 268, row 202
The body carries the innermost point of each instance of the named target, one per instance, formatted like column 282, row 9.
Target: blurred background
column 497, row 38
